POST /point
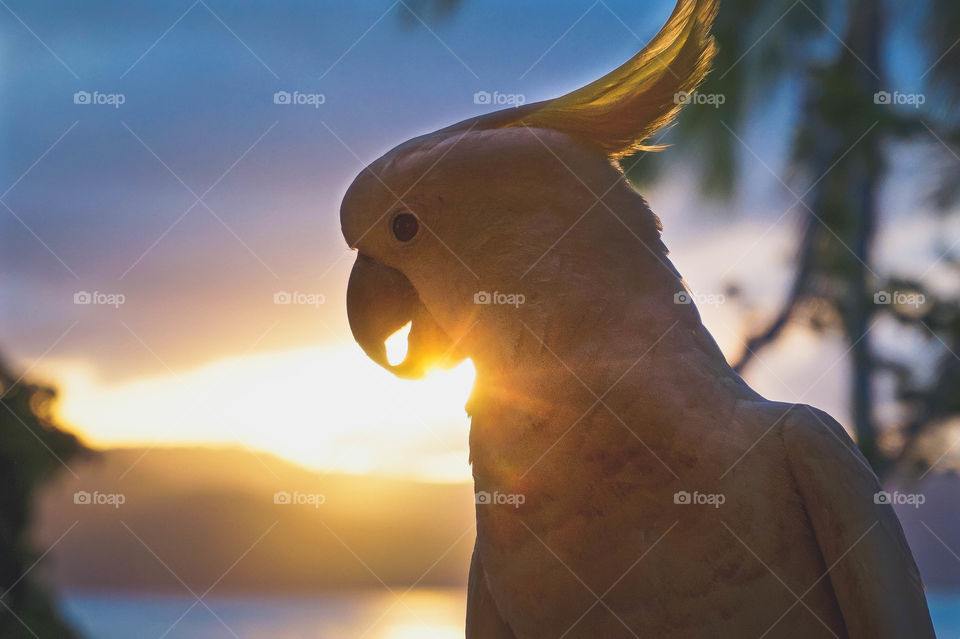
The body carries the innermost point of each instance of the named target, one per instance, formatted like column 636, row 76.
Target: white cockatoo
column 629, row 483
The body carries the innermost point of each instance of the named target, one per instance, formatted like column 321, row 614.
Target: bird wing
column 870, row 567
column 483, row 618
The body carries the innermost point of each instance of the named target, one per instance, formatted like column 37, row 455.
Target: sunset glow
column 284, row 403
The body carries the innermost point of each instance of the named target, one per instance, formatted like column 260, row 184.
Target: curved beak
column 380, row 301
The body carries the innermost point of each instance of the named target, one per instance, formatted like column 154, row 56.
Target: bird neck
column 639, row 359
column 635, row 316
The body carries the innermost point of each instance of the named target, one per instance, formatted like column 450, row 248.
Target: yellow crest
column 627, row 106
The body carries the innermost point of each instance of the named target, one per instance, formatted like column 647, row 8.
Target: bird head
column 490, row 215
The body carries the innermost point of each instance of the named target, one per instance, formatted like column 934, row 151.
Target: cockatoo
column 628, row 482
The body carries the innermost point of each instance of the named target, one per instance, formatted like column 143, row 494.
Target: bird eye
column 405, row 226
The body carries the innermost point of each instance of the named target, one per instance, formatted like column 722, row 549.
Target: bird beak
column 381, row 301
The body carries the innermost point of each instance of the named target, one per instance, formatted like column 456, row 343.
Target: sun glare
column 428, row 614
column 397, row 345
column 326, row 408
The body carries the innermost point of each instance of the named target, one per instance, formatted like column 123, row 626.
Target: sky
column 184, row 200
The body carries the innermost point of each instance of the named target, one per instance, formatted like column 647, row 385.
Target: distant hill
column 200, row 510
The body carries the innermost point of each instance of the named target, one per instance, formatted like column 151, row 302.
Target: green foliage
column 752, row 62
column 942, row 42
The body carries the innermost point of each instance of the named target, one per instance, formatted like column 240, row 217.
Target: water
column 421, row 614
column 945, row 610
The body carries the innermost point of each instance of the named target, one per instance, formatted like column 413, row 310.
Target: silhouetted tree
column 31, row 450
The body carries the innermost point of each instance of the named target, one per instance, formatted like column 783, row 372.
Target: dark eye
column 405, row 226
